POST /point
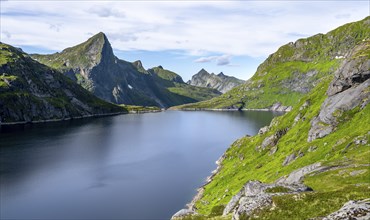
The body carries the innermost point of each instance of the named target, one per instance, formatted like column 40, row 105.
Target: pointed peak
column 203, row 71
column 221, row 74
column 160, row 67
column 99, row 35
column 139, row 65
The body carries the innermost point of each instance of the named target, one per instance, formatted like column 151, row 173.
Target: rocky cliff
column 221, row 82
column 312, row 162
column 93, row 65
column 293, row 70
column 30, row 91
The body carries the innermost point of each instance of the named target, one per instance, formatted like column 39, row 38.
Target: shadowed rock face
column 220, row 82
column 93, row 65
column 30, row 91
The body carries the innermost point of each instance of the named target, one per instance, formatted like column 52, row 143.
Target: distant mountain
column 30, row 91
column 93, row 65
column 292, row 71
column 221, row 82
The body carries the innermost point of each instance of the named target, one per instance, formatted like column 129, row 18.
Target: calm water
column 123, row 167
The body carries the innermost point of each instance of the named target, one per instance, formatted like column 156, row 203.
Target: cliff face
column 293, row 70
column 308, row 163
column 93, row 65
column 30, row 91
column 220, row 82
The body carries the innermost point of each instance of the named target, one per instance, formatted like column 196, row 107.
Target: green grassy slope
column 30, row 91
column 347, row 147
column 293, row 70
column 171, row 88
column 81, row 55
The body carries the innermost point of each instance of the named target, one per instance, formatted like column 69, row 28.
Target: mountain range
column 93, row 65
column 220, row 82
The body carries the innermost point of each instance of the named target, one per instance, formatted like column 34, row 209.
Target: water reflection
column 114, row 167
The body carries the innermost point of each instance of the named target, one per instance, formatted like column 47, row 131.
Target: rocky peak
column 221, row 74
column 139, row 66
column 202, row 72
column 220, row 82
column 95, row 50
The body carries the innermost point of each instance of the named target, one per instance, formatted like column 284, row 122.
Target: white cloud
column 220, row 60
column 252, row 28
column 104, row 11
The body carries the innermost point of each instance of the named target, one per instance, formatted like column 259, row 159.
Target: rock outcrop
column 220, row 82
column 348, row 90
column 359, row 210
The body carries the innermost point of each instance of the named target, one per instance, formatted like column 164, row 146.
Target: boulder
column 289, row 159
column 183, row 213
column 359, row 210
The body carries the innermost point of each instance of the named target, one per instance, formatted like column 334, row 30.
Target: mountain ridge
column 92, row 64
column 33, row 92
column 221, row 82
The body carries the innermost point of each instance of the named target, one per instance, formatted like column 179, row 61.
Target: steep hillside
column 30, row 91
column 293, row 70
column 221, row 82
column 93, row 65
column 309, row 162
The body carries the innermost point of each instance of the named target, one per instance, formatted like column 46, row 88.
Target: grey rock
column 305, row 105
column 272, row 140
column 273, row 150
column 221, row 82
column 359, row 210
column 263, row 130
column 253, row 196
column 278, row 107
column 232, row 204
column 357, row 172
column 349, row 89
column 326, row 121
column 183, row 213
column 296, row 176
column 289, row 159
column 269, row 141
column 248, row 204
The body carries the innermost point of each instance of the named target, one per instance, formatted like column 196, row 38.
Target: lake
column 136, row 166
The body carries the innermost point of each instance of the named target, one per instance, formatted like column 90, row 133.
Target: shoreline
column 77, row 117
column 229, row 110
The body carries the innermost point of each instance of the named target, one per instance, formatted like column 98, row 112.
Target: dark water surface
column 123, row 167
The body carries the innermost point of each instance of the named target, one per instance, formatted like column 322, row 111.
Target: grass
column 302, row 63
column 277, row 189
column 138, row 109
column 332, row 188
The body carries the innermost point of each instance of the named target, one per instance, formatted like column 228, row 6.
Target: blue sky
column 233, row 37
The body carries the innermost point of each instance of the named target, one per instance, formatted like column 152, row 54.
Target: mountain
column 292, row 71
column 220, row 81
column 312, row 162
column 93, row 65
column 30, row 91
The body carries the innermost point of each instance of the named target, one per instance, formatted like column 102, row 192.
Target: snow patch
column 129, row 86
